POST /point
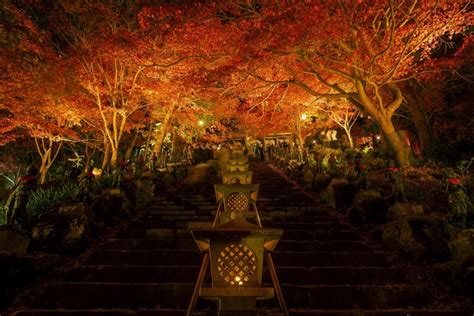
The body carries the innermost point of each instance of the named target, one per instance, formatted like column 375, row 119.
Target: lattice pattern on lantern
column 237, row 264
column 237, row 202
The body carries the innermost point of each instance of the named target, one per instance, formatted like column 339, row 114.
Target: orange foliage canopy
column 105, row 68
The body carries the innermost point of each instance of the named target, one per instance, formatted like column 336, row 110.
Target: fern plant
column 3, row 215
column 44, row 201
column 106, row 181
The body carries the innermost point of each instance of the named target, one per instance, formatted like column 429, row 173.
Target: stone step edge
column 391, row 285
column 347, row 312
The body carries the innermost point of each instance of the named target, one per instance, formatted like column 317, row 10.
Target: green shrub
column 106, row 181
column 44, row 201
column 3, row 219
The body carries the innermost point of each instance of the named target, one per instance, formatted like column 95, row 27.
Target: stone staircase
column 151, row 267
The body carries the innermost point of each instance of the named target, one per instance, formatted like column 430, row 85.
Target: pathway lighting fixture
column 237, row 177
column 236, row 251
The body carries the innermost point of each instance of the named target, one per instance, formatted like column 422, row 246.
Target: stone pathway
column 150, row 267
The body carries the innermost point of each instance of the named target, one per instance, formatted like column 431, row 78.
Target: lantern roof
column 239, row 228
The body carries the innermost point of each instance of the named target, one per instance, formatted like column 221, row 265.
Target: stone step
column 286, row 201
column 210, row 211
column 129, row 312
column 156, row 233
column 355, row 296
column 284, row 212
column 319, row 235
column 283, row 245
column 329, row 259
column 175, row 257
column 191, row 257
column 178, row 217
column 149, row 224
column 173, row 295
column 207, row 218
column 188, row 197
column 149, row 244
column 99, row 312
column 314, row 246
column 306, row 225
column 133, row 274
column 188, row 274
column 396, row 312
column 166, row 207
column 180, row 212
column 116, row 295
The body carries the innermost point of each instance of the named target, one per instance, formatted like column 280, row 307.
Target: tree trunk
column 128, row 153
column 397, row 144
column 88, row 155
column 105, row 160
column 300, row 143
column 47, row 158
column 44, row 167
column 419, row 118
column 148, row 139
column 113, row 157
column 160, row 135
column 349, row 136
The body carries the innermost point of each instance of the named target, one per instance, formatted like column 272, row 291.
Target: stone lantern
column 237, row 177
column 235, row 201
column 236, row 251
column 236, row 166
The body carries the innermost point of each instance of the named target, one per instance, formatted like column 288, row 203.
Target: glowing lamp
column 201, row 123
column 236, row 252
column 303, row 116
column 97, row 172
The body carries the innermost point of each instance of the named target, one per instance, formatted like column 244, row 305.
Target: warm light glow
column 201, row 123
column 303, row 116
column 97, row 172
column 238, row 280
column 378, row 137
column 314, row 142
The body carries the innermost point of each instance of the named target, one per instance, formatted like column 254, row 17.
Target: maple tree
column 344, row 114
column 357, row 51
column 111, row 74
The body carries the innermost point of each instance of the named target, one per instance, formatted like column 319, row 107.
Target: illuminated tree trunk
column 119, row 106
column 106, row 157
column 346, row 120
column 300, row 148
column 88, row 155
column 419, row 119
column 147, row 145
column 45, row 150
column 382, row 114
column 396, row 142
column 299, row 136
column 128, row 153
column 161, row 133
column 44, row 166
column 113, row 157
column 349, row 136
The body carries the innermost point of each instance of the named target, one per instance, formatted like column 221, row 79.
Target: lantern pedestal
column 236, row 251
column 234, row 299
